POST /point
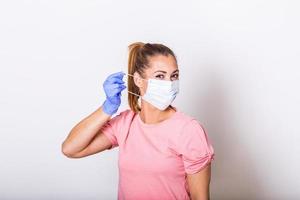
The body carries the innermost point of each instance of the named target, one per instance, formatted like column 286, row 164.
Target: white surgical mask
column 160, row 93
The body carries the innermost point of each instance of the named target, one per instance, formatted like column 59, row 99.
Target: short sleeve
column 111, row 129
column 195, row 147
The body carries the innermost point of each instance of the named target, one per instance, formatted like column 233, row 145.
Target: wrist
column 109, row 108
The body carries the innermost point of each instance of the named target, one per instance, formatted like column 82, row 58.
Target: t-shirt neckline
column 159, row 123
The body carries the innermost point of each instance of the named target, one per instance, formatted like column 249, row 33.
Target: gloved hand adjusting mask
column 159, row 93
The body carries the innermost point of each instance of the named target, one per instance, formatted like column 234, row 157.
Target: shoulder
column 191, row 140
column 186, row 120
column 191, row 127
column 127, row 113
column 187, row 127
column 123, row 117
column 119, row 123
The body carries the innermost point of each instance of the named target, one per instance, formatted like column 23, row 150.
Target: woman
column 163, row 153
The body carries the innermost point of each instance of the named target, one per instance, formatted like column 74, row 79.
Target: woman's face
column 161, row 68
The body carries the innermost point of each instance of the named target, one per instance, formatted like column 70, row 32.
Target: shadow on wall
column 233, row 170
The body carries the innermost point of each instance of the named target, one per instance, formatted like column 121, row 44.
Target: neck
column 151, row 115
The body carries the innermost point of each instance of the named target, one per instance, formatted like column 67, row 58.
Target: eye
column 160, row 76
column 175, row 76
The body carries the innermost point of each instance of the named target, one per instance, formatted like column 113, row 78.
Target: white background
column 239, row 76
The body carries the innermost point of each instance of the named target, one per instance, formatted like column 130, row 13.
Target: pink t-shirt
column 154, row 158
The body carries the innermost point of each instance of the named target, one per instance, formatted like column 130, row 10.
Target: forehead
column 161, row 62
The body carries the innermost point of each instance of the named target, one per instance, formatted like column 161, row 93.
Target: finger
column 119, row 94
column 115, row 80
column 113, row 86
column 122, row 87
column 115, row 92
column 117, row 74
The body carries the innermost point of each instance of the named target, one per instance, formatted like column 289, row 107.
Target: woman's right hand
column 113, row 86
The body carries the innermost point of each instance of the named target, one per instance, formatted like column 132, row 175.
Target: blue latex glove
column 113, row 86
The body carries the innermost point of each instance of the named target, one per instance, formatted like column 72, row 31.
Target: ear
column 138, row 79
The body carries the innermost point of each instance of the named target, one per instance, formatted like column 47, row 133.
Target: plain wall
column 239, row 76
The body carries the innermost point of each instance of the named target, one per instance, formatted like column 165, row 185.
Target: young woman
column 163, row 153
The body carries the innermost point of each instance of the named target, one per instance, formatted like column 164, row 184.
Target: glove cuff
column 109, row 108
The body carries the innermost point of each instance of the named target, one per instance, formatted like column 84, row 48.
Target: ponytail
column 132, row 58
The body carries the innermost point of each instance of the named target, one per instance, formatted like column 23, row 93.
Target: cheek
column 143, row 88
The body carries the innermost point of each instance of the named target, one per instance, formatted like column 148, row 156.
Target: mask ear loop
column 132, row 92
column 133, row 76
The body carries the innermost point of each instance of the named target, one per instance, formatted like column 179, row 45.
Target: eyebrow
column 177, row 70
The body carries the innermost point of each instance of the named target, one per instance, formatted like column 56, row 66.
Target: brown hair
column 138, row 61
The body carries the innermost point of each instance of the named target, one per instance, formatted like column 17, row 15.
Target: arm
column 199, row 184
column 85, row 139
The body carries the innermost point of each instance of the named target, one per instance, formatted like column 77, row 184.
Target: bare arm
column 85, row 138
column 199, row 184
